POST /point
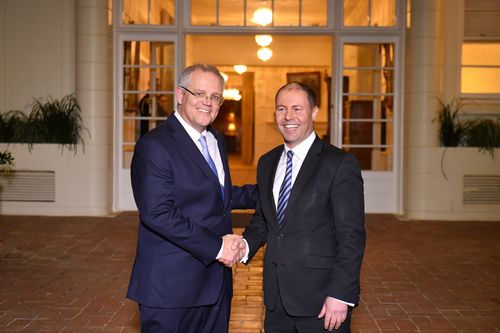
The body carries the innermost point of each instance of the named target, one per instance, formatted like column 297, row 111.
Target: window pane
column 362, row 55
column 314, row 13
column 162, row 12
column 482, row 74
column 286, row 13
column 231, row 12
column 374, row 13
column 135, row 11
column 367, row 129
column 203, row 12
column 383, row 13
column 369, row 81
column 485, row 54
column 481, row 80
column 356, row 13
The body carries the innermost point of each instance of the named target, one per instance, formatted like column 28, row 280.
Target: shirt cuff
column 220, row 251
column 341, row 301
column 247, row 250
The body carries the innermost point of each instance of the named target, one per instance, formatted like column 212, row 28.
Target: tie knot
column 289, row 154
column 203, row 141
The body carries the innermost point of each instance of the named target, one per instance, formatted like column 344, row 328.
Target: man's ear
column 315, row 111
column 179, row 94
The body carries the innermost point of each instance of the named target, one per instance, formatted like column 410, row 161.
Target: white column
column 94, row 92
column 424, row 84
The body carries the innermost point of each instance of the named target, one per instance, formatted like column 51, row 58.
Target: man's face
column 294, row 116
column 197, row 111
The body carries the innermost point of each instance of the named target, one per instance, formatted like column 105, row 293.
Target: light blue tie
column 208, row 158
column 286, row 188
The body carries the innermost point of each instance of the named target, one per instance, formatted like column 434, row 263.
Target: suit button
column 274, row 264
column 281, row 236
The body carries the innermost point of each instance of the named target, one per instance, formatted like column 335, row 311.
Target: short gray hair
column 185, row 77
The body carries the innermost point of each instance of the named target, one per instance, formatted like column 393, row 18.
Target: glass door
column 367, row 117
column 145, row 98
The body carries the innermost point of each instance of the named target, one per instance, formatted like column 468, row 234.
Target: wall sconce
column 264, row 53
column 263, row 16
column 240, row 69
column 263, row 40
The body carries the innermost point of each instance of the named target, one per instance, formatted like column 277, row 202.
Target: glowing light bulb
column 263, row 40
column 263, row 16
column 264, row 53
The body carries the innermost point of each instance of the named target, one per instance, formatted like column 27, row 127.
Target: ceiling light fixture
column 231, row 94
column 263, row 16
column 263, row 40
column 264, row 53
column 240, row 69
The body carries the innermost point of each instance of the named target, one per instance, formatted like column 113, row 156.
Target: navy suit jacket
column 317, row 252
column 182, row 219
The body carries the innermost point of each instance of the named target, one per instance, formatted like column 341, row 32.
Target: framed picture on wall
column 311, row 79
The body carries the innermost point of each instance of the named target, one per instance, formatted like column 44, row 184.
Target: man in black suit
column 311, row 215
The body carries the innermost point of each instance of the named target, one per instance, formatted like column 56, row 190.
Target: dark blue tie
column 208, row 158
column 286, row 188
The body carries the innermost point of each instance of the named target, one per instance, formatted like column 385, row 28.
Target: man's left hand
column 334, row 312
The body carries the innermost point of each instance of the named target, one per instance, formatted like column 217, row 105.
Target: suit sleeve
column 151, row 173
column 348, row 210
column 256, row 232
column 244, row 197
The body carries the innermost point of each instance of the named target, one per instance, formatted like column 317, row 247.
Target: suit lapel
column 268, row 182
column 189, row 148
column 225, row 162
column 306, row 171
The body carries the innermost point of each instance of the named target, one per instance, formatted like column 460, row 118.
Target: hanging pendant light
column 263, row 16
column 264, row 53
column 263, row 40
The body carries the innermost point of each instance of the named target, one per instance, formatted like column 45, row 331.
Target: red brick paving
column 70, row 274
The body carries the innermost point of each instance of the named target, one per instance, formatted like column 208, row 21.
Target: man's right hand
column 231, row 249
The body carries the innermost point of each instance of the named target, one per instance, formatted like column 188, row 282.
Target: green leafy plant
column 452, row 130
column 483, row 133
column 6, row 161
column 12, row 126
column 50, row 121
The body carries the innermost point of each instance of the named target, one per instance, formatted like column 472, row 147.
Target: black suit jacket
column 319, row 248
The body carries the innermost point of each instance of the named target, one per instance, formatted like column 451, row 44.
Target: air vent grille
column 20, row 185
column 482, row 190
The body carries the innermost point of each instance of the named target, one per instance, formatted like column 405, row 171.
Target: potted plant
column 6, row 161
column 50, row 121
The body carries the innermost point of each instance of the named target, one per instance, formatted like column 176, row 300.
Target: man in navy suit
column 182, row 188
column 311, row 216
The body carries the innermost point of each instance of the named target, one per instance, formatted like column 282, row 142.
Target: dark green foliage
column 50, row 121
column 6, row 158
column 12, row 126
column 481, row 132
column 451, row 129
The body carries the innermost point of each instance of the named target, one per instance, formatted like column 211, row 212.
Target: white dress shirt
column 213, row 148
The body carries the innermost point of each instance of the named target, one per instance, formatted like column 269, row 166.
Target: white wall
column 37, row 51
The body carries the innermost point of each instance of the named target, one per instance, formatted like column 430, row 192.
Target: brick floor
column 70, row 274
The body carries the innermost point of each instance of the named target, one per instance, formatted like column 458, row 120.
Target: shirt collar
column 193, row 134
column 302, row 148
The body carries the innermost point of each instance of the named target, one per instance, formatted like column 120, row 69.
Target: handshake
column 233, row 249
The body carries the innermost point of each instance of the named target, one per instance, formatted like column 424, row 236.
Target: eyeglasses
column 218, row 99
